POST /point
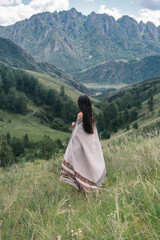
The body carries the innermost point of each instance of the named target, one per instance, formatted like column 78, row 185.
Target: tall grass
column 34, row 204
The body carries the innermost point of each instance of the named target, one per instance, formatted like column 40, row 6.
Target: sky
column 12, row 11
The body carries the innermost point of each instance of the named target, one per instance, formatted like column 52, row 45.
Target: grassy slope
column 19, row 125
column 36, row 205
column 144, row 121
column 56, row 84
column 50, row 82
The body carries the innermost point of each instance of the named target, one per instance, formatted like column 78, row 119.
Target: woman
column 83, row 165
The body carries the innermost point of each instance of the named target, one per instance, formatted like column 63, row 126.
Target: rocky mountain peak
column 151, row 32
column 141, row 26
column 130, row 26
column 126, row 20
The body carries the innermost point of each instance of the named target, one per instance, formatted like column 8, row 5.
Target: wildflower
column 72, row 236
column 58, row 237
column 106, row 184
column 117, row 173
column 72, row 231
column 79, row 231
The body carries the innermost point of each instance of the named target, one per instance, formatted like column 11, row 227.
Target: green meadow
column 19, row 125
column 36, row 205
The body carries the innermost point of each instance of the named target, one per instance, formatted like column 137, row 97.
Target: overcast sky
column 12, row 11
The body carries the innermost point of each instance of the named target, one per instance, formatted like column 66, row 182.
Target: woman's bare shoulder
column 80, row 115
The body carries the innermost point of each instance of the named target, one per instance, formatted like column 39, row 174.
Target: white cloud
column 11, row 14
column 18, row 1
column 149, row 15
column 115, row 12
column 90, row 0
column 6, row 2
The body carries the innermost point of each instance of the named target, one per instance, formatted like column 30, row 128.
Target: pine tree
column 135, row 125
column 150, row 104
column 26, row 141
column 8, row 138
column 9, row 81
column 62, row 91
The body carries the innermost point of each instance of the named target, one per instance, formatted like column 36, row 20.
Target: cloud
column 150, row 4
column 149, row 15
column 115, row 12
column 89, row 0
column 9, row 2
column 12, row 13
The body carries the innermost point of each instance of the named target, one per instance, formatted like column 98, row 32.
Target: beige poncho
column 83, row 165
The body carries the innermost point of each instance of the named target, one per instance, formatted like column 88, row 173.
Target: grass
column 36, row 205
column 18, row 125
column 56, row 84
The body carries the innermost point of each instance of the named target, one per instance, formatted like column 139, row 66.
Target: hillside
column 25, row 102
column 19, row 125
column 75, row 42
column 36, row 205
column 136, row 107
column 122, row 71
column 15, row 56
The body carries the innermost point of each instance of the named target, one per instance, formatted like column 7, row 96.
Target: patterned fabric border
column 68, row 175
column 78, row 175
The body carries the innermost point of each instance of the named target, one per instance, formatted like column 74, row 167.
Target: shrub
column 135, row 125
column 105, row 134
column 6, row 155
column 17, row 146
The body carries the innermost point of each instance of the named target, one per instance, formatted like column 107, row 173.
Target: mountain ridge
column 73, row 41
column 121, row 71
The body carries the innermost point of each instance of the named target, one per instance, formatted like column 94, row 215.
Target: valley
column 46, row 63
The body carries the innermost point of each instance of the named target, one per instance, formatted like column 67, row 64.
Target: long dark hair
column 85, row 106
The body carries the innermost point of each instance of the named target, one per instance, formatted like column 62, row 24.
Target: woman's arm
column 80, row 115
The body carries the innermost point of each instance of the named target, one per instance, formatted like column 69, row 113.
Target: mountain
column 73, row 41
column 15, row 56
column 122, row 71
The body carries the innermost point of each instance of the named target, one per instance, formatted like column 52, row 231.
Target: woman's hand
column 73, row 124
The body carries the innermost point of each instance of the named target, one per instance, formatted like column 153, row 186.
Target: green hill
column 15, row 56
column 27, row 106
column 54, row 83
column 121, row 71
column 136, row 106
